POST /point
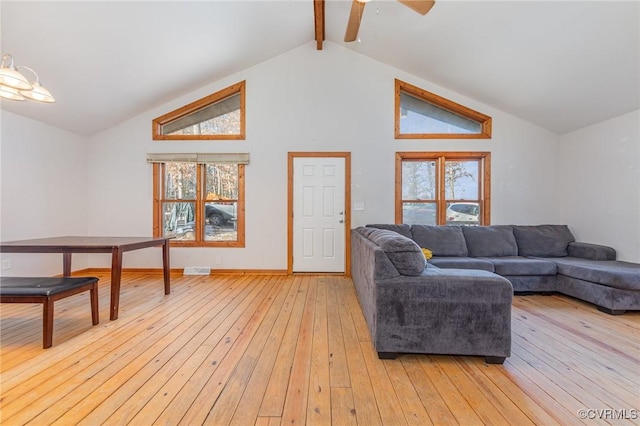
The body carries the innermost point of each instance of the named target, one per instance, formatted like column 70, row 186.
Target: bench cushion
column 612, row 273
column 41, row 286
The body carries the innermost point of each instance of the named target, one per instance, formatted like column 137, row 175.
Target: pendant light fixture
column 15, row 86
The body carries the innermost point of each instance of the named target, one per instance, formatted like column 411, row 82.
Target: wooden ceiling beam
column 318, row 13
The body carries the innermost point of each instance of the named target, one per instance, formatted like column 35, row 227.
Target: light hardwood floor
column 266, row 350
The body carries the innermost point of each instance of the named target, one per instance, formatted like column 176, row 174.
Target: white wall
column 43, row 190
column 309, row 100
column 600, row 184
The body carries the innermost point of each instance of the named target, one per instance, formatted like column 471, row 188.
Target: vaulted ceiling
column 560, row 64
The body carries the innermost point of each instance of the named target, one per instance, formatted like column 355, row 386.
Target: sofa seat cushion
column 612, row 273
column 455, row 284
column 543, row 240
column 441, row 240
column 449, row 262
column 403, row 252
column 490, row 241
column 522, row 266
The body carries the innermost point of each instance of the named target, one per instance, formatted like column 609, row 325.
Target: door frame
column 347, row 205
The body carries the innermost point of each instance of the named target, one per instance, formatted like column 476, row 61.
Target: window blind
column 200, row 158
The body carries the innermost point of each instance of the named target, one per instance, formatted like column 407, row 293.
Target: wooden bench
column 47, row 290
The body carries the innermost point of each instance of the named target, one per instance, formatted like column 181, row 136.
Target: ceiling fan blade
column 353, row 25
column 420, row 6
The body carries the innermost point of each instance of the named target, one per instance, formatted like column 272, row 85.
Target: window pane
column 220, row 221
column 418, row 180
column 221, row 216
column 418, row 116
column 463, row 214
column 180, row 181
column 443, row 188
column 179, row 221
column 419, row 213
column 214, row 216
column 220, row 118
column 221, row 182
column 461, row 180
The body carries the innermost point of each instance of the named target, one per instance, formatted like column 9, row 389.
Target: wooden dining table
column 114, row 245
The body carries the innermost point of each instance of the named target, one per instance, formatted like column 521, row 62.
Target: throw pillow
column 427, row 253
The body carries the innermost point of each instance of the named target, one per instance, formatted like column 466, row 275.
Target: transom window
column 217, row 116
column 443, row 188
column 424, row 115
column 199, row 198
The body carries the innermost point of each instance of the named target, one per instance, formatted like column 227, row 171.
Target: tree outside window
column 442, row 188
column 199, row 204
column 420, row 114
column 219, row 116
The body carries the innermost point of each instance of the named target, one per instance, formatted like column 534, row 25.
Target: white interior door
column 319, row 214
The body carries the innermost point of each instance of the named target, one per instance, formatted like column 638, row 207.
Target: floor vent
column 197, row 270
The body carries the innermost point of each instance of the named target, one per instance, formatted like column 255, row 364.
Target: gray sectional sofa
column 459, row 302
column 412, row 307
column 535, row 259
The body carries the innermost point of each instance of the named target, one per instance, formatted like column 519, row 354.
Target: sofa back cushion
column 441, row 240
column 400, row 228
column 403, row 252
column 490, row 241
column 543, row 240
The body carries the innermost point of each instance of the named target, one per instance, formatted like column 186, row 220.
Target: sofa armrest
column 591, row 251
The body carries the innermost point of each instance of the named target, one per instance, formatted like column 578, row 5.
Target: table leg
column 116, row 275
column 95, row 310
column 166, row 268
column 47, row 322
column 66, row 264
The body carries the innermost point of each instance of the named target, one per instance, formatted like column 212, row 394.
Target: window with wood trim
column 424, row 115
column 443, row 188
column 199, row 199
column 220, row 116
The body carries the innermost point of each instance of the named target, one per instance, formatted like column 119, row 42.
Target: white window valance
column 200, row 158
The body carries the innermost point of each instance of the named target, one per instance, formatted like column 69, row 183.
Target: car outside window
column 443, row 188
column 199, row 204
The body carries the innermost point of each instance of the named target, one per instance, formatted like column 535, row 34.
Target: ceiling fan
column 357, row 7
